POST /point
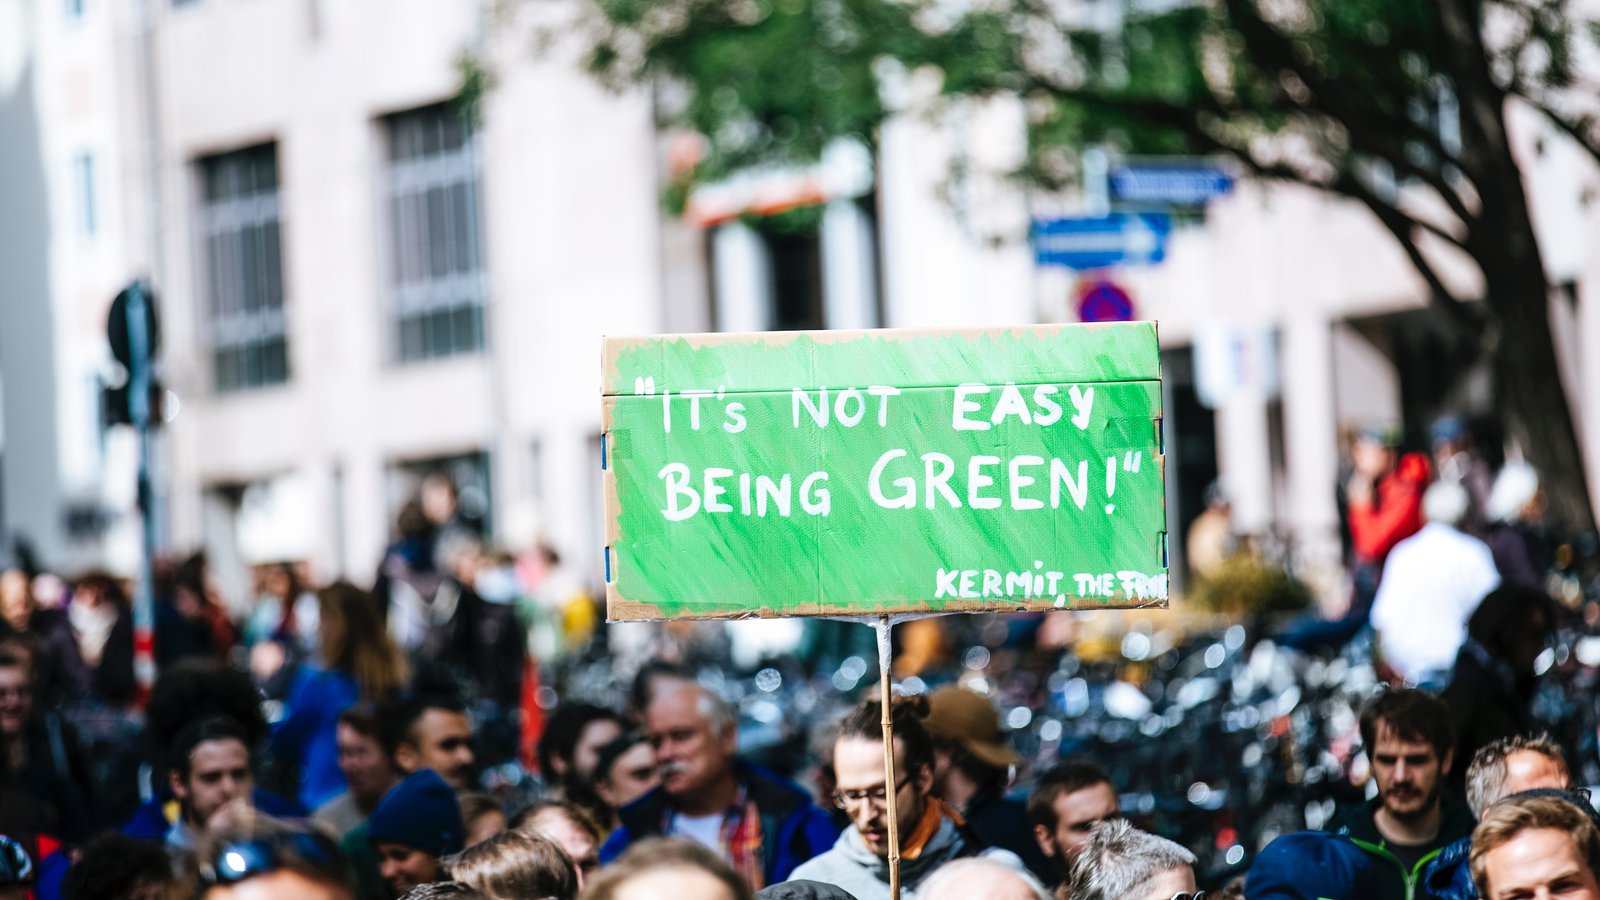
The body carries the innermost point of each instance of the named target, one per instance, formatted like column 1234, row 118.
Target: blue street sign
column 1168, row 184
column 1101, row 241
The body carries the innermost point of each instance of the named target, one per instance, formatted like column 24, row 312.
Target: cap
column 957, row 714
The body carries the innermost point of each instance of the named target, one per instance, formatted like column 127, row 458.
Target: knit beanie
column 421, row 812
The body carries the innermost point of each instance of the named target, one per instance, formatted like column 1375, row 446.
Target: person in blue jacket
column 761, row 824
column 358, row 661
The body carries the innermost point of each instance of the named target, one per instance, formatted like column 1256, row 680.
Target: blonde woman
column 358, row 662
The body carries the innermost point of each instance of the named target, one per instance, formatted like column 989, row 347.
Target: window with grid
column 247, row 332
column 436, row 277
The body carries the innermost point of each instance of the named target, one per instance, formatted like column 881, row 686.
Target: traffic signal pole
column 140, row 379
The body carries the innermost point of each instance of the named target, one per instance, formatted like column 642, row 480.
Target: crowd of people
column 347, row 743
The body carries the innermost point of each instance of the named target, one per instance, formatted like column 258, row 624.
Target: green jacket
column 1395, row 881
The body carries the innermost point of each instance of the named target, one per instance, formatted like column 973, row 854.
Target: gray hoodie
column 856, row 869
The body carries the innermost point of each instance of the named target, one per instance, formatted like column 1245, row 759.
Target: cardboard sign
column 869, row 472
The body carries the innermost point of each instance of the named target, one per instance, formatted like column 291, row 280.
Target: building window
column 83, row 181
column 247, row 332
column 436, row 277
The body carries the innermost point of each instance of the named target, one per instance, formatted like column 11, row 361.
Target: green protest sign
column 861, row 473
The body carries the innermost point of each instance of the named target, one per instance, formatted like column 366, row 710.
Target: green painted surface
column 761, row 510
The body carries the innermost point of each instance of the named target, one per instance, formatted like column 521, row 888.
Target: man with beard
column 761, row 824
column 930, row 832
column 1411, row 746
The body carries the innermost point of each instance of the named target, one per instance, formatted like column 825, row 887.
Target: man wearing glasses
column 930, row 832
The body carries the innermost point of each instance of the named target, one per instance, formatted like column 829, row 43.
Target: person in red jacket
column 1385, row 500
column 1382, row 501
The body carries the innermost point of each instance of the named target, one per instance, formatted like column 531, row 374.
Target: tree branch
column 1585, row 129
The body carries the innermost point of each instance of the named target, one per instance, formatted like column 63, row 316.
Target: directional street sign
column 1168, row 183
column 1101, row 241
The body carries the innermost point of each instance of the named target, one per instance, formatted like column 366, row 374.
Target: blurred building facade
column 360, row 288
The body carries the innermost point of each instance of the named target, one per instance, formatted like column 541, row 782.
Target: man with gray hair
column 1499, row 770
column 983, row 877
column 1513, row 765
column 1120, row 862
column 761, row 824
column 1431, row 583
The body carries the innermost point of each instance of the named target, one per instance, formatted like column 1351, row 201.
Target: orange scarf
column 927, row 827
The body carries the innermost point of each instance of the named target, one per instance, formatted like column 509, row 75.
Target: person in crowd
column 368, row 771
column 930, row 832
column 653, row 676
column 426, row 731
column 1522, row 551
column 429, row 613
column 660, row 867
column 515, row 865
column 624, row 771
column 1065, row 805
column 571, row 827
column 281, row 631
column 118, row 867
column 47, row 630
column 358, row 661
column 965, row 879
column 570, row 748
column 43, row 755
column 763, row 825
column 416, row 825
column 1311, row 865
column 1513, row 765
column 1411, row 747
column 101, row 670
column 1432, row 582
column 1120, row 862
column 1456, row 460
column 1490, row 695
column 972, row 766
column 482, row 816
column 1210, row 537
column 430, row 731
column 1536, row 847
column 190, row 621
column 266, row 859
column 1504, row 767
column 443, row 890
column 185, row 693
column 1383, row 502
column 211, row 775
column 1380, row 504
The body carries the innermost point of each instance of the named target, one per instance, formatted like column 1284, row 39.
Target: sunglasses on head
column 1189, row 895
column 235, row 861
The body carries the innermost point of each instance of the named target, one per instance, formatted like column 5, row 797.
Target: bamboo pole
column 889, row 782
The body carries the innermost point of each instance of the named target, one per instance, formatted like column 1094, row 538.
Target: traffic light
column 134, row 342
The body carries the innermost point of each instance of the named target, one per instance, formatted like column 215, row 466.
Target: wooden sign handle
column 891, row 795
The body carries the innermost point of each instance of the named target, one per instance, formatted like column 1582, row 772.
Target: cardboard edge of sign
column 612, row 347
column 621, row 609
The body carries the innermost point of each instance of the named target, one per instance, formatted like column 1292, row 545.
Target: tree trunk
column 1530, row 394
column 1528, row 387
